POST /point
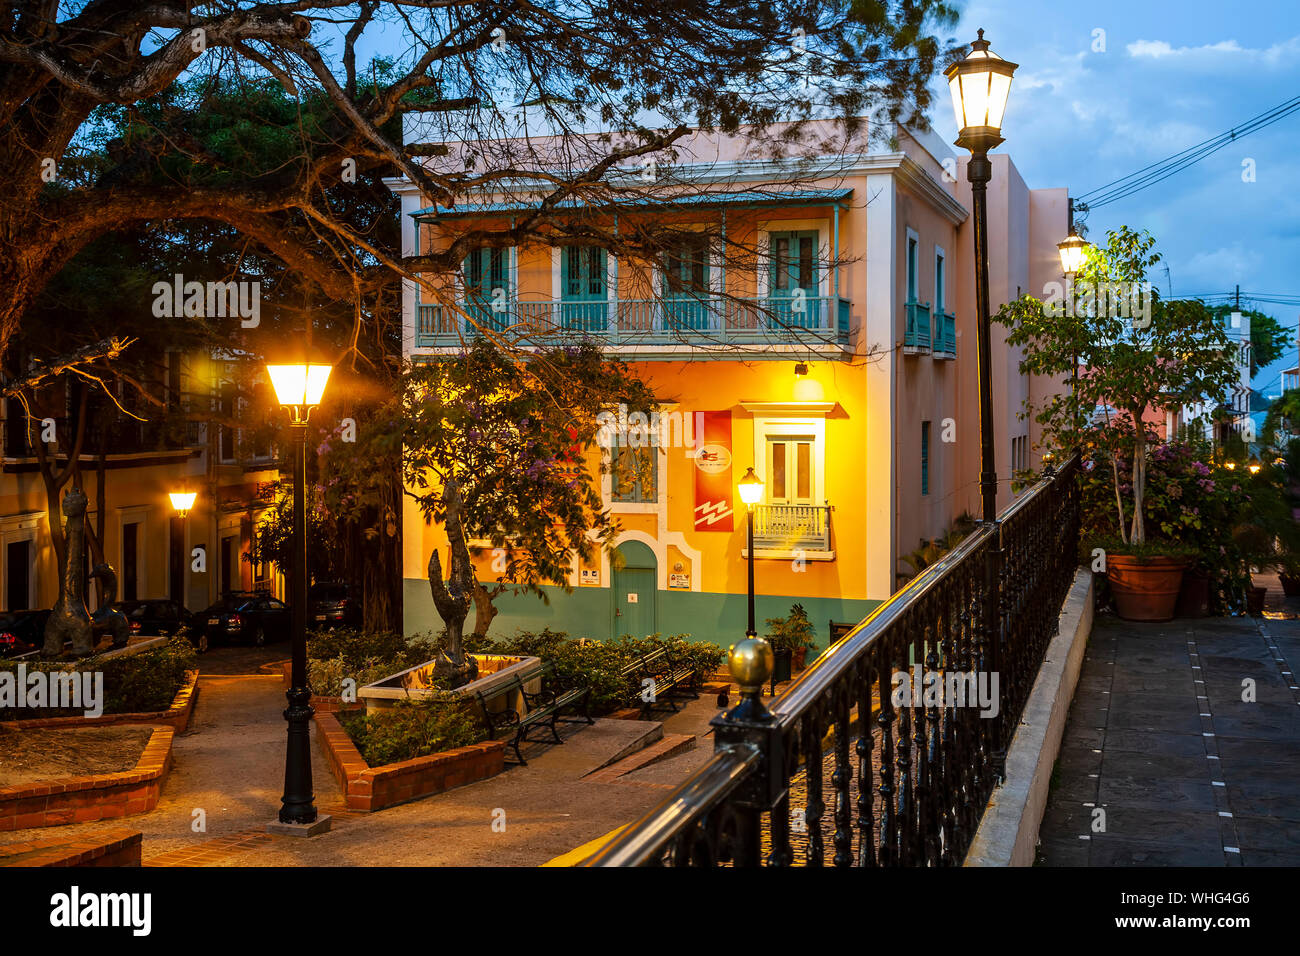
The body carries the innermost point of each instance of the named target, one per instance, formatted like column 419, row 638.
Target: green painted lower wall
column 588, row 612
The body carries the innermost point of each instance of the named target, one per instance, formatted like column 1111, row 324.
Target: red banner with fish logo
column 713, row 490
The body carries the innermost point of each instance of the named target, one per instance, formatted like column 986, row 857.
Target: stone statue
column 108, row 619
column 69, row 620
column 453, row 666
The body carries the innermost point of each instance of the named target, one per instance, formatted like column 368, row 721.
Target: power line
column 1162, row 170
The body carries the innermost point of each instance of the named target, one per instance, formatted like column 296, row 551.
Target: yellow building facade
column 838, row 362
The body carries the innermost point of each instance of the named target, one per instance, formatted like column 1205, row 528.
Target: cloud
column 1284, row 51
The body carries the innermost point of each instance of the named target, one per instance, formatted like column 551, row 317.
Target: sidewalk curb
column 1008, row 831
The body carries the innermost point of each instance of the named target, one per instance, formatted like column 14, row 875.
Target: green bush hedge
column 414, row 728
column 146, row 682
column 364, row 656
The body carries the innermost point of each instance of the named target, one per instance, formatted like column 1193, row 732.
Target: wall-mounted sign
column 713, row 491
column 632, row 597
column 589, row 577
column 679, row 580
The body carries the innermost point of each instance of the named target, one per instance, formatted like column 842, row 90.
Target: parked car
column 22, row 631
column 256, row 619
column 155, row 616
column 331, row 605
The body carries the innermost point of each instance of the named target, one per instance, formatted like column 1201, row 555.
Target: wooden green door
column 796, row 280
column 584, row 297
column 487, row 288
column 635, row 593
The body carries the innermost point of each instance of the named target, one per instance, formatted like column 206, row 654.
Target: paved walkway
column 230, row 766
column 1165, row 764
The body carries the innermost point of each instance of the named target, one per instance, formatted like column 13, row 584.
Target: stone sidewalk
column 1164, row 763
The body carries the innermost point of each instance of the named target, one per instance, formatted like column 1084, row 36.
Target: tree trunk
column 1138, row 536
column 484, row 609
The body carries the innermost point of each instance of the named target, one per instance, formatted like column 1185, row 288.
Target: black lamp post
column 751, row 490
column 299, row 388
column 979, row 85
column 1073, row 250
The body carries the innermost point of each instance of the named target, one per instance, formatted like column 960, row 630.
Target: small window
column 633, row 475
column 911, row 269
column 790, row 467
column 939, row 291
column 925, row 458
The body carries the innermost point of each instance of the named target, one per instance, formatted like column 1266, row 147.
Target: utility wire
column 1162, row 170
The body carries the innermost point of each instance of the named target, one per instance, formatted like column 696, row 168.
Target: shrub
column 597, row 664
column 146, row 682
column 364, row 656
column 414, row 728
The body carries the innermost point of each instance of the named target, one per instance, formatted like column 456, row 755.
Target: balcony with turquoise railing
column 945, row 335
column 704, row 321
column 916, row 334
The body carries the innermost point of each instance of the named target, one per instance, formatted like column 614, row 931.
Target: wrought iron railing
column 837, row 764
column 792, row 527
column 633, row 321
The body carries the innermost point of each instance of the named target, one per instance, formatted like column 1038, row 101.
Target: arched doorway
column 636, row 596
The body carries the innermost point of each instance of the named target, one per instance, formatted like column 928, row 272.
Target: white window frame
column 911, row 294
column 22, row 527
column 940, row 302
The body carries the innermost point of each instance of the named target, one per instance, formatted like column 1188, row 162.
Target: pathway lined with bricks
column 1182, row 748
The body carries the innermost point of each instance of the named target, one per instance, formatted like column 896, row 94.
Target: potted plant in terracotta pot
column 1135, row 354
column 791, row 636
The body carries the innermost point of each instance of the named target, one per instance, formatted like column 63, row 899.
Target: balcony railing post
column 750, row 725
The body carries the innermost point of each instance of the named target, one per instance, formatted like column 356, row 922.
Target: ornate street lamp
column 182, row 501
column 751, row 491
column 1073, row 250
column 979, row 85
column 299, row 387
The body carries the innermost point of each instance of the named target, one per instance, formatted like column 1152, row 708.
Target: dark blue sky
column 1172, row 75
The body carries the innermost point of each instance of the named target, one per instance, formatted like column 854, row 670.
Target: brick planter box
column 108, row 848
column 51, row 803
column 177, row 716
column 374, row 788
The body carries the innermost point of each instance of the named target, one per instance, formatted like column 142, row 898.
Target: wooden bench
column 540, row 710
column 670, row 679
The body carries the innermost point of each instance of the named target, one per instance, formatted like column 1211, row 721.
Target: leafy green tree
column 495, row 448
column 1164, row 354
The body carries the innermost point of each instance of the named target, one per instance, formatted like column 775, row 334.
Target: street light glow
column 182, row 501
column 751, row 488
column 979, row 85
column 1072, row 248
column 301, row 384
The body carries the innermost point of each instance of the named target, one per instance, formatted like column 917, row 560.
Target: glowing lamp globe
column 299, row 385
column 1073, row 250
column 750, row 488
column 979, row 85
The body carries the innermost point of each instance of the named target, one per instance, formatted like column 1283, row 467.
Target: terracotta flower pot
column 1255, row 600
column 1145, row 589
column 1290, row 585
column 800, row 658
